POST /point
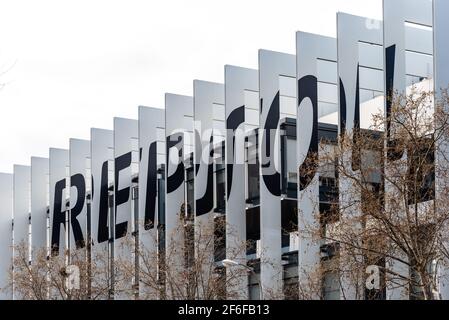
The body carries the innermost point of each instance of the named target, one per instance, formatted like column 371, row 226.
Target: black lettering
column 151, row 192
column 78, row 182
column 103, row 230
column 122, row 195
column 58, row 217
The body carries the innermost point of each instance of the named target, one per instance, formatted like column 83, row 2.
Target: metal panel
column 59, row 195
column 39, row 203
column 80, row 182
column 6, row 251
column 237, row 81
column 398, row 39
column 206, row 95
column 22, row 186
column 102, row 165
column 125, row 131
column 272, row 65
column 102, row 152
column 441, row 55
column 351, row 30
column 152, row 150
column 126, row 158
column 21, row 215
column 310, row 48
column 179, row 146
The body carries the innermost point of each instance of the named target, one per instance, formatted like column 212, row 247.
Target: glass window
column 370, row 55
column 220, row 179
column 161, row 195
column 220, row 190
column 254, row 286
column 252, row 230
column 331, row 288
column 327, row 71
column 287, row 86
column 190, row 193
column 252, row 170
column 421, row 175
column 291, row 285
column 289, row 169
column 289, row 224
column 331, row 278
column 418, row 38
column 371, row 79
column 220, row 238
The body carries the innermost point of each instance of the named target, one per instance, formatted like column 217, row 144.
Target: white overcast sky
column 72, row 65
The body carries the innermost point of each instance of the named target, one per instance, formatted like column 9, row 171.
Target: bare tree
column 43, row 277
column 198, row 275
column 182, row 271
column 393, row 208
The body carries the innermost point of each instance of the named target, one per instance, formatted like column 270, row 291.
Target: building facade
column 232, row 154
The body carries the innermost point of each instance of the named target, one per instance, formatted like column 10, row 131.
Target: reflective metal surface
column 272, row 67
column 239, row 120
